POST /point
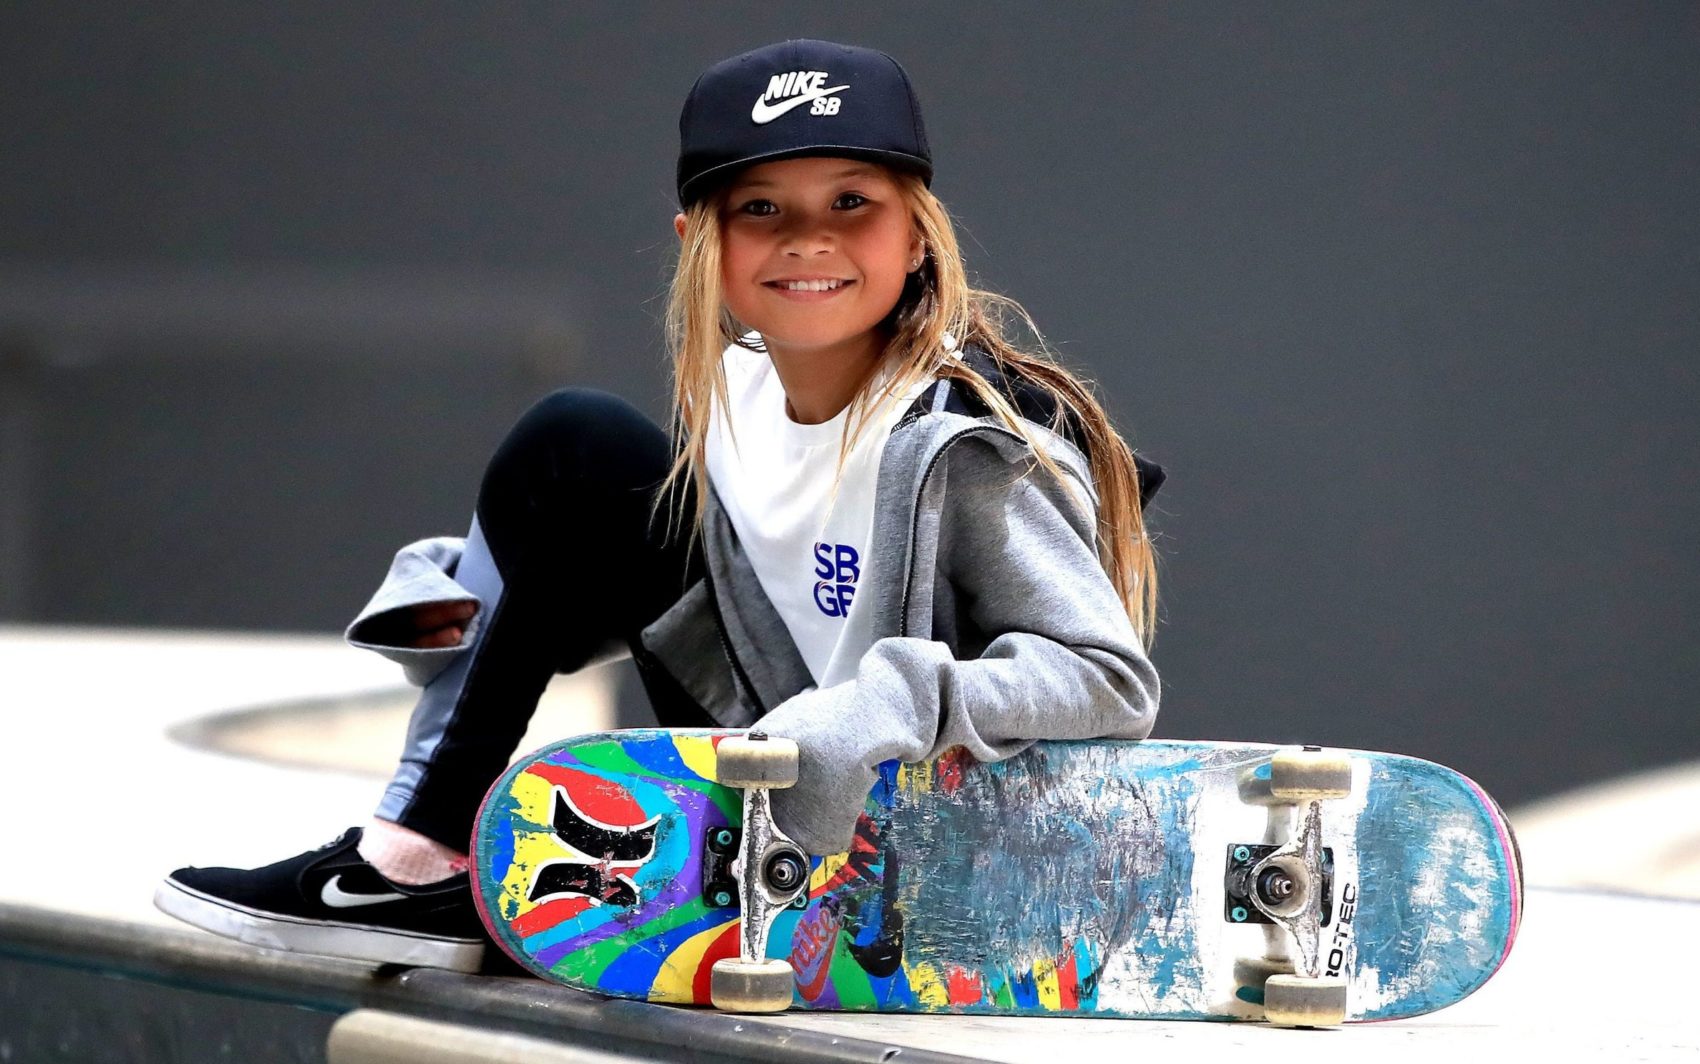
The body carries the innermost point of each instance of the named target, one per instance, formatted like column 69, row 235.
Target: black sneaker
column 329, row 901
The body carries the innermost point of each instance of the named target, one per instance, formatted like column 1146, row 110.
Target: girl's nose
column 808, row 247
column 808, row 237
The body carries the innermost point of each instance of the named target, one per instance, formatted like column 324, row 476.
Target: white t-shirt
column 807, row 544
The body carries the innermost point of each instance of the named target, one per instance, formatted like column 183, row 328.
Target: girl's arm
column 1062, row 660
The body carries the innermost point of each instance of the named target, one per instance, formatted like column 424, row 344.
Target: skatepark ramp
column 126, row 754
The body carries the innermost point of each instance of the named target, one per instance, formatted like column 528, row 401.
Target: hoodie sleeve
column 1063, row 661
column 422, row 572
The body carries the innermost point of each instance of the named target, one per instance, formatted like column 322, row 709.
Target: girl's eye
column 851, row 200
column 758, row 207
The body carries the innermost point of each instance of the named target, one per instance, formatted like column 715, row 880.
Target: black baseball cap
column 799, row 98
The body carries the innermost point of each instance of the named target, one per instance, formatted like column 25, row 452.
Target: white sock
column 402, row 855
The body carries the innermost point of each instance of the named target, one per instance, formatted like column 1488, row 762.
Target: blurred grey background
column 1404, row 296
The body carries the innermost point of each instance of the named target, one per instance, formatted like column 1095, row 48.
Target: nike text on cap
column 794, row 99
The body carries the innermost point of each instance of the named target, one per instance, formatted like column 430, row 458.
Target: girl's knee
column 577, row 437
column 577, row 416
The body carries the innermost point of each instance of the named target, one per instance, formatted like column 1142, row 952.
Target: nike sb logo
column 837, row 566
column 793, row 89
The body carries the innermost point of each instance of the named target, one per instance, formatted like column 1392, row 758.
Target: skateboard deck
column 1099, row 877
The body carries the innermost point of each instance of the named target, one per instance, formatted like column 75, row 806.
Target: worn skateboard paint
column 1077, row 877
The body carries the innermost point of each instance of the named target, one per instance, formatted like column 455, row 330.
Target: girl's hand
column 441, row 624
column 424, row 627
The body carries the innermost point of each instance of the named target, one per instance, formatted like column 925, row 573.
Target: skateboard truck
column 769, row 873
column 1289, row 885
column 721, row 848
column 1249, row 880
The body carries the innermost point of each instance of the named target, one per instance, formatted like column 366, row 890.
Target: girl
column 877, row 527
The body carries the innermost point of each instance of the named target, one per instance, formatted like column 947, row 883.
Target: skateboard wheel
column 1295, row 1001
column 1309, row 775
column 1255, row 971
column 741, row 762
column 751, row 986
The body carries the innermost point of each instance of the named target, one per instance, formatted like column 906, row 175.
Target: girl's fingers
column 442, row 637
column 435, row 615
column 435, row 624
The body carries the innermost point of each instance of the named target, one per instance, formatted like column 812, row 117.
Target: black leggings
column 585, row 560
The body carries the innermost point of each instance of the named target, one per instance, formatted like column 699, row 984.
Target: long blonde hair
column 937, row 303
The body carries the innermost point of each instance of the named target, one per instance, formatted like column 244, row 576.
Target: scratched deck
column 1077, row 878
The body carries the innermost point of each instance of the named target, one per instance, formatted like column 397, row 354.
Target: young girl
column 876, row 528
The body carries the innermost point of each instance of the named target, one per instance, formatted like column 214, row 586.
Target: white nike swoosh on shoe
column 763, row 112
column 337, row 898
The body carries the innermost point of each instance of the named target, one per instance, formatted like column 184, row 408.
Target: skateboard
column 1153, row 879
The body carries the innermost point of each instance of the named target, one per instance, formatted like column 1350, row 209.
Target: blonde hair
column 937, row 303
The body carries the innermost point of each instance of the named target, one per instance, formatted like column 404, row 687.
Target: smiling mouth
column 820, row 285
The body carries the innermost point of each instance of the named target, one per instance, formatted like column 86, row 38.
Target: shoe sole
column 346, row 941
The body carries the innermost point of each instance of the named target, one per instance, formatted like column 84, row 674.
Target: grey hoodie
column 993, row 623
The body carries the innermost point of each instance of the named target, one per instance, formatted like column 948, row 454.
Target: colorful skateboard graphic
column 1099, row 877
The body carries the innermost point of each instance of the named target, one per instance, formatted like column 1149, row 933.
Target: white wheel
column 751, row 986
column 1294, row 1001
column 744, row 762
column 1309, row 775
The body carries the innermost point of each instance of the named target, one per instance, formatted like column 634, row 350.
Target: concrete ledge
column 89, row 989
column 368, row 1036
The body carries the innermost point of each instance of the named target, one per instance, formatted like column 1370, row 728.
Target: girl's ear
column 679, row 224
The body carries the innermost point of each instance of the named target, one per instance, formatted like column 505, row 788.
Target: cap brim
column 701, row 185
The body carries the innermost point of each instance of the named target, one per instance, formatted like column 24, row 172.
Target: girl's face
column 814, row 251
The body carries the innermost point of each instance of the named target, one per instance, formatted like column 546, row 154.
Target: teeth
column 810, row 286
